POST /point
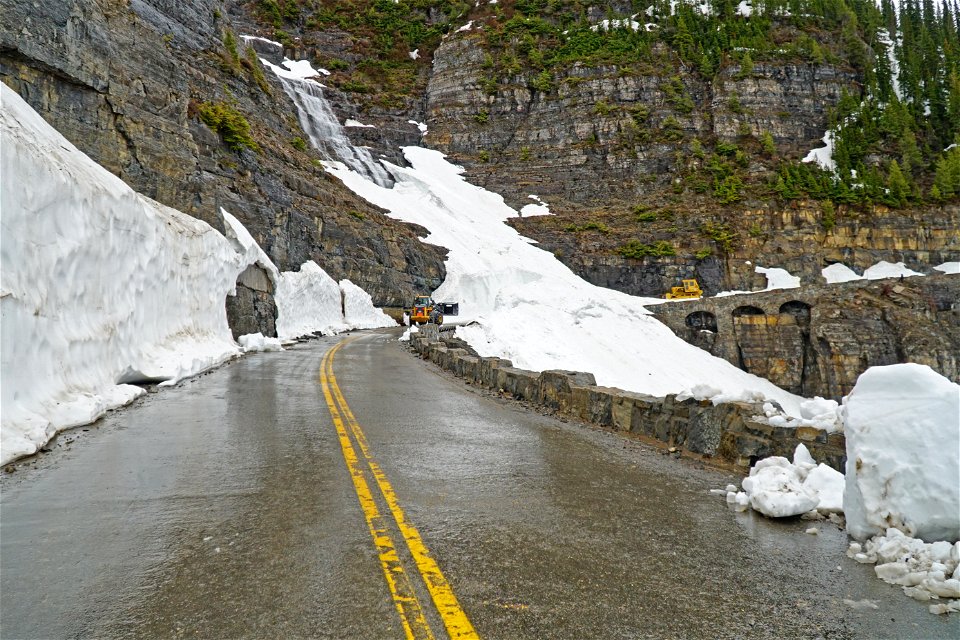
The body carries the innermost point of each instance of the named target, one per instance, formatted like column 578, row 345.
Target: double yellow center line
column 414, row 622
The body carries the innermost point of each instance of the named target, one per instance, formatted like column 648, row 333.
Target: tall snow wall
column 100, row 286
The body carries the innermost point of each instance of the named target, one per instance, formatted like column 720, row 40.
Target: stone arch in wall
column 701, row 320
column 747, row 310
column 799, row 310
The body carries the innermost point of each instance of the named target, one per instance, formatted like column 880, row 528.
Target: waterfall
column 316, row 117
column 326, row 134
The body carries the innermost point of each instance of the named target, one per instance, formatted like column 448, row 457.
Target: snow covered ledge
column 100, row 286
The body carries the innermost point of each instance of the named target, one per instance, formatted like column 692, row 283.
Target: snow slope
column 531, row 308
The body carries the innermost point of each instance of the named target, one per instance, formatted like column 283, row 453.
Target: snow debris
column 420, row 125
column 415, row 54
column 745, row 8
column 884, row 269
column 949, row 267
column 466, row 27
column 837, row 272
column 412, row 329
column 860, row 605
column 952, row 146
column 823, row 156
column 812, row 531
column 925, row 571
column 355, row 123
column 778, row 488
column 257, row 342
column 902, row 425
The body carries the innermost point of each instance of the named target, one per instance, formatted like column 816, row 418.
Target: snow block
column 902, row 425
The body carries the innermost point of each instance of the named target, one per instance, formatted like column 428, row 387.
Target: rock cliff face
column 606, row 134
column 793, row 238
column 817, row 340
column 124, row 82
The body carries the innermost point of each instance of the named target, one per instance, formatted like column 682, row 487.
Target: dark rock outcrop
column 124, row 82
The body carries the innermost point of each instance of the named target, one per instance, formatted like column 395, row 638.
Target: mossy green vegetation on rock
column 229, row 123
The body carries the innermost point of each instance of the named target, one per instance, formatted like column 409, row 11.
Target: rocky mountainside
column 667, row 137
column 135, row 84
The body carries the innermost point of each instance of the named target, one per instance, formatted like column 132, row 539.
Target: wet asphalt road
column 223, row 508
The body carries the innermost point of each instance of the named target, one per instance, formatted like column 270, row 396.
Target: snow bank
column 358, row 309
column 926, row 571
column 837, row 273
column 308, row 301
column 100, row 286
column 949, row 267
column 778, row 278
column 518, row 293
column 884, row 269
column 902, row 425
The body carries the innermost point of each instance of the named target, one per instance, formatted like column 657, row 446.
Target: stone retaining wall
column 727, row 433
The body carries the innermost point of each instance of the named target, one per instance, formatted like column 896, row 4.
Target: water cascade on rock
column 326, row 134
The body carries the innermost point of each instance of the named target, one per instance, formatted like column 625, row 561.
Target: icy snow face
column 308, row 301
column 101, row 286
column 902, row 425
column 358, row 309
column 518, row 294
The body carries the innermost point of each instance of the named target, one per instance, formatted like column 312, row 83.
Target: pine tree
column 897, row 185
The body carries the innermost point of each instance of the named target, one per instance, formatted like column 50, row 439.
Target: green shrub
column 298, row 143
column 637, row 250
column 482, row 117
column 229, row 123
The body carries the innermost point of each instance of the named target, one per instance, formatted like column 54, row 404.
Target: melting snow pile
column 779, row 488
column 927, row 571
column 902, row 425
column 902, row 486
column 74, row 233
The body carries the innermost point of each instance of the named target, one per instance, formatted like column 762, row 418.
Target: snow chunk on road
column 257, row 342
column 775, row 488
column 902, row 425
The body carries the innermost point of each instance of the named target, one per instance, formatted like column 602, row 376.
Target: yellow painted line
column 404, row 598
column 455, row 620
